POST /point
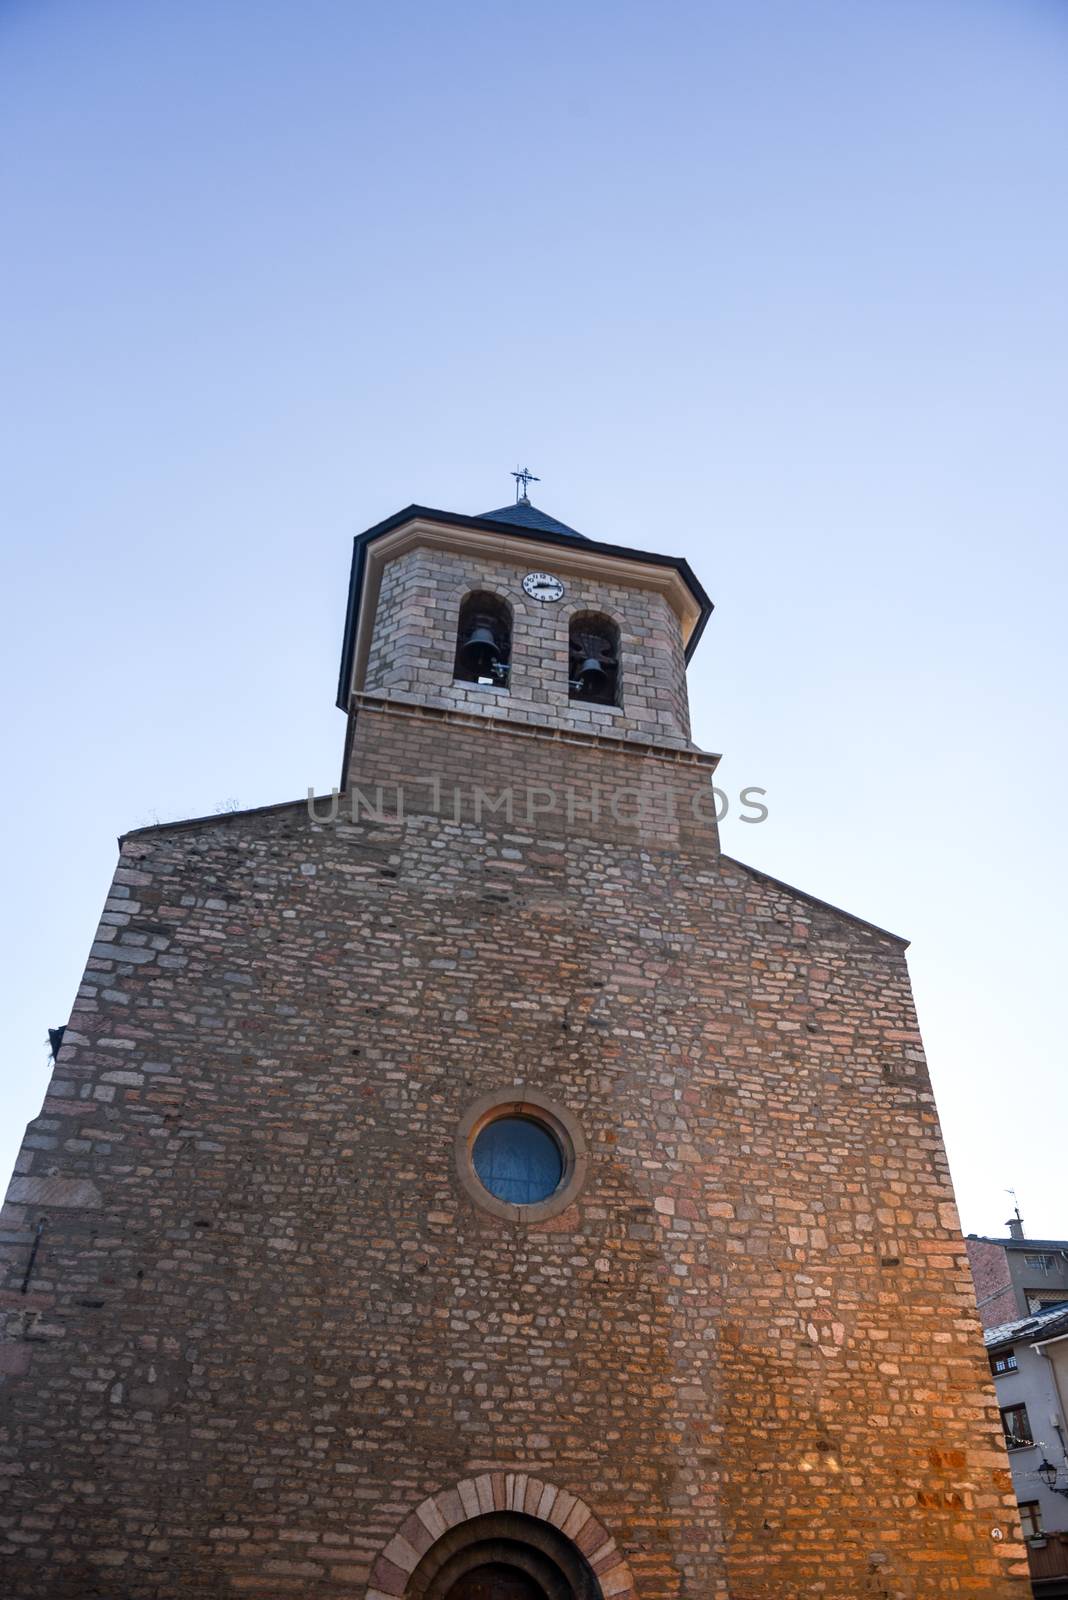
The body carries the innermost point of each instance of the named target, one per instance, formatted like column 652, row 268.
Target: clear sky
column 777, row 285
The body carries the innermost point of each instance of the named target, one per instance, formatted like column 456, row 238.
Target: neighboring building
column 487, row 1188
column 1029, row 1361
column 1017, row 1277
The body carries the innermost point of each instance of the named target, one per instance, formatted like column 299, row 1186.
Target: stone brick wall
column 271, row 1346
column 994, row 1292
column 414, row 644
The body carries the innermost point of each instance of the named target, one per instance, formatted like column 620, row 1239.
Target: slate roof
column 1036, row 1245
column 524, row 515
column 1046, row 1325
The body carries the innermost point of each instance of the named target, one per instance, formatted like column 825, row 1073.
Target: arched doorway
column 495, row 1581
column 501, row 1536
column 503, row 1556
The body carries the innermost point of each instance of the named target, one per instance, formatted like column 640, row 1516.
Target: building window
column 518, row 1159
column 593, row 660
column 520, row 1155
column 1017, row 1428
column 1031, row 1519
column 1039, row 1300
column 1002, row 1361
column 484, row 641
column 1044, row 1264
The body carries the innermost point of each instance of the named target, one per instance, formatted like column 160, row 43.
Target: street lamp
column 1048, row 1473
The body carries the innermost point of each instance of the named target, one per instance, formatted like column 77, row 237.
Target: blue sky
column 778, row 285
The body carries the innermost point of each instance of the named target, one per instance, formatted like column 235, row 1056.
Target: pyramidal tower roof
column 527, row 516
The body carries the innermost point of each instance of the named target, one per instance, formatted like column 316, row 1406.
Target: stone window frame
column 598, row 613
column 471, row 589
column 522, row 1101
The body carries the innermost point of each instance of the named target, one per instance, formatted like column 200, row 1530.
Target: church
column 474, row 1185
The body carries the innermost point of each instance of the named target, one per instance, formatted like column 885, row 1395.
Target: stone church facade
column 476, row 1186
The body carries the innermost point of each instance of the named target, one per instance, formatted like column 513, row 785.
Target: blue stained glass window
column 518, row 1160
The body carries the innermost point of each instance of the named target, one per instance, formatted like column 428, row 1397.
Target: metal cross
column 523, row 476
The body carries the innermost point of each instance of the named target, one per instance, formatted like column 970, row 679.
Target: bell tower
column 513, row 615
column 514, row 623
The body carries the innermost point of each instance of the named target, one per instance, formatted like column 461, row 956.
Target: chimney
column 1015, row 1226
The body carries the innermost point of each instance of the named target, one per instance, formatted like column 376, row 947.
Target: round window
column 518, row 1160
column 520, row 1155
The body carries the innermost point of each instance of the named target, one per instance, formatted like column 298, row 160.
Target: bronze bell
column 591, row 678
column 479, row 651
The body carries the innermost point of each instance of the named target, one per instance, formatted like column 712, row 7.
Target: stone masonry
column 994, row 1290
column 414, row 642
column 260, row 1339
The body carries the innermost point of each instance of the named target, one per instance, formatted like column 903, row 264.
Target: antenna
column 1015, row 1222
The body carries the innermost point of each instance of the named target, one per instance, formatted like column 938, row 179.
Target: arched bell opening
column 593, row 660
column 503, row 1555
column 484, row 641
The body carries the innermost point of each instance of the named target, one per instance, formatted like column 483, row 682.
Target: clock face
column 543, row 586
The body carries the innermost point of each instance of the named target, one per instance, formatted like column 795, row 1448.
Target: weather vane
column 523, row 476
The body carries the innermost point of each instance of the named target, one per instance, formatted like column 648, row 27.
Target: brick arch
column 499, row 1491
column 477, row 583
column 569, row 608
